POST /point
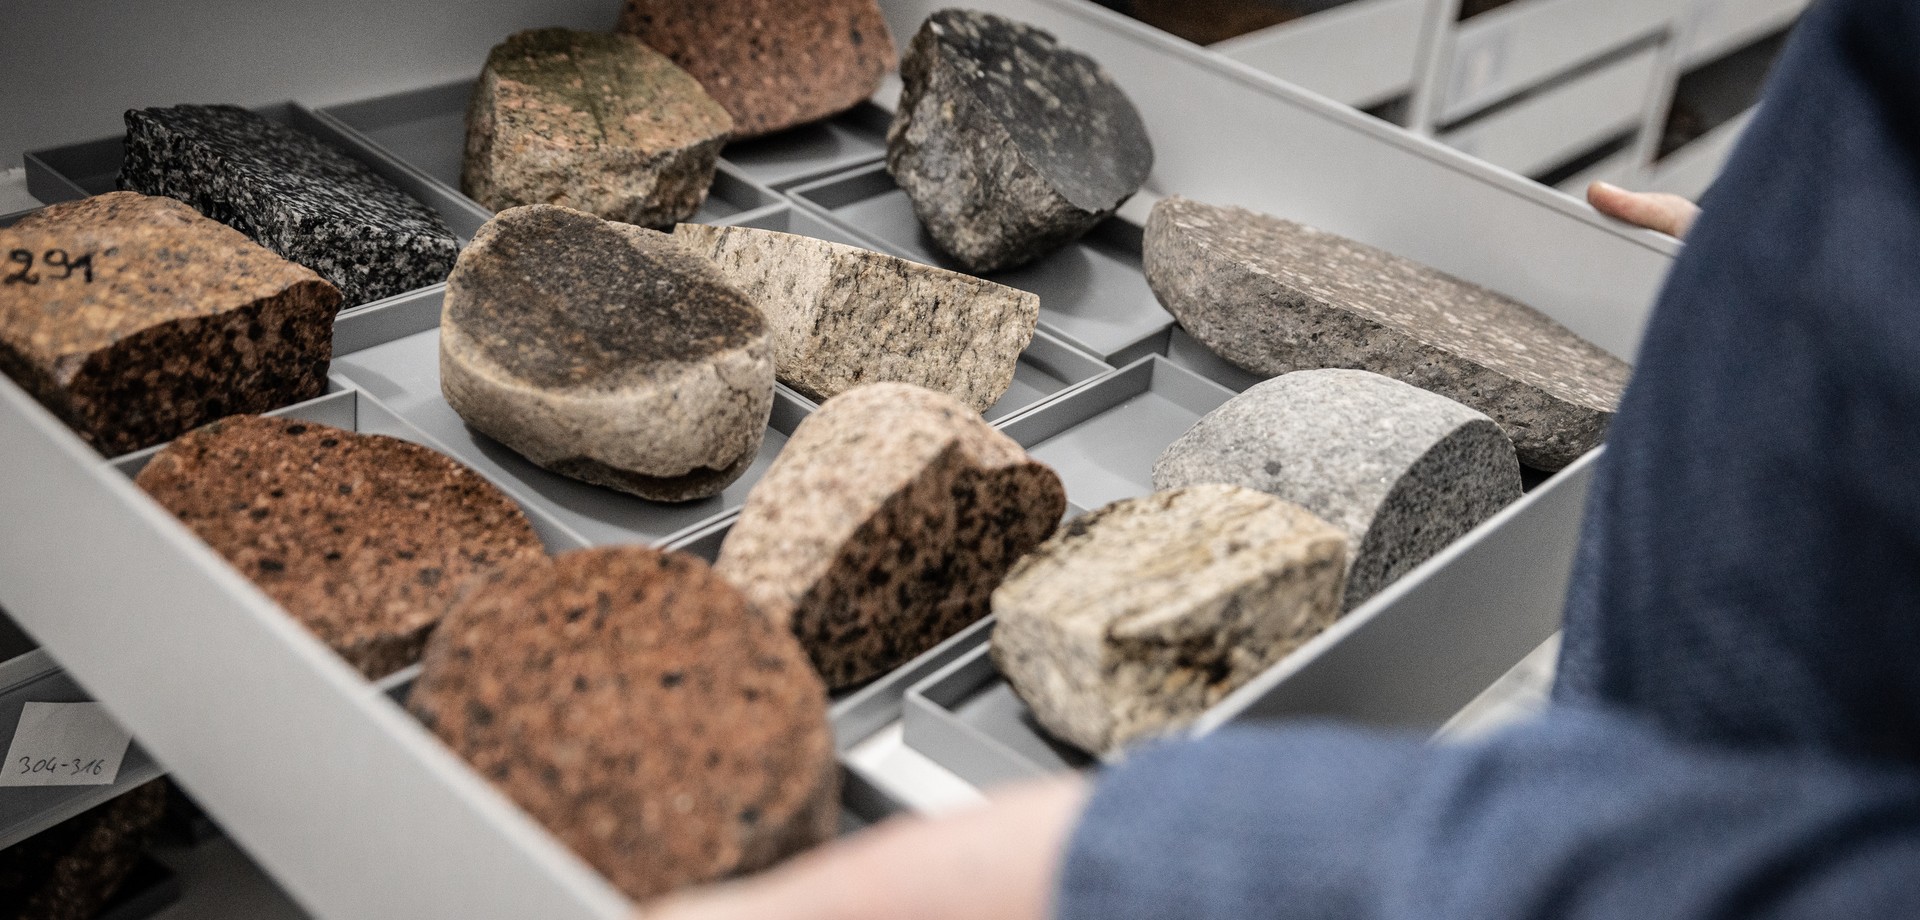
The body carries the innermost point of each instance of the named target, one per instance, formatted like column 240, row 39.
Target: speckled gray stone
column 1134, row 619
column 292, row 194
column 606, row 352
column 594, row 121
column 884, row 524
column 1273, row 296
column 843, row 316
column 1401, row 471
column 1009, row 144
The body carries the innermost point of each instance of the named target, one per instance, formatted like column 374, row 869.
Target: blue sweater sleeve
column 1578, row 817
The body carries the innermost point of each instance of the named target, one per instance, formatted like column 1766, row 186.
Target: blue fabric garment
column 1736, row 728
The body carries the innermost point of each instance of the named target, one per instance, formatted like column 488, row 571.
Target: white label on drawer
column 64, row 744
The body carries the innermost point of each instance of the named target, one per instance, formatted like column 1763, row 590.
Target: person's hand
column 1668, row 214
column 996, row 862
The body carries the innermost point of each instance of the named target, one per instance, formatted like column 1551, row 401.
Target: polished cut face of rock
column 292, row 194
column 884, row 524
column 606, row 352
column 366, row 540
column 1133, row 620
column 634, row 703
column 843, row 316
column 1274, row 296
column 135, row 320
column 1009, row 144
column 1401, row 471
column 774, row 64
column 592, row 121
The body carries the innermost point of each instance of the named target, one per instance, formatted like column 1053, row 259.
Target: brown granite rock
column 884, row 525
column 606, row 352
column 636, row 704
column 1274, row 296
column 842, row 316
column 774, row 64
column 158, row 321
column 593, row 121
column 75, row 868
column 366, row 540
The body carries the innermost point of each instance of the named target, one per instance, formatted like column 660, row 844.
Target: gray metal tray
column 797, row 155
column 968, row 718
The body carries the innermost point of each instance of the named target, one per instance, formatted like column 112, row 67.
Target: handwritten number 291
column 52, row 259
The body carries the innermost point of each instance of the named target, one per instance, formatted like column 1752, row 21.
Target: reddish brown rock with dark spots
column 366, row 540
column 773, row 64
column 171, row 321
column 885, row 524
column 636, row 704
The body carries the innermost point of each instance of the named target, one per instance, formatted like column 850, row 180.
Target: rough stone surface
column 843, row 316
column 1010, row 145
column 883, row 526
column 774, row 64
column 1401, row 471
column 1134, row 619
column 593, row 121
column 366, row 540
column 606, row 352
column 74, row 869
column 636, row 704
column 292, row 194
column 1273, row 296
column 184, row 320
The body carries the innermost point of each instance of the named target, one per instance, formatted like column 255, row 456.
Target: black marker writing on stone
column 53, row 258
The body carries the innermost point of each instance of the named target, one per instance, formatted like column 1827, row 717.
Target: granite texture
column 843, row 316
column 634, row 703
column 593, row 121
column 366, row 540
column 606, row 352
column 883, row 526
column 75, row 868
column 292, row 194
column 184, row 320
column 773, row 64
column 1273, row 296
column 1010, row 145
column 1401, row 471
column 1136, row 618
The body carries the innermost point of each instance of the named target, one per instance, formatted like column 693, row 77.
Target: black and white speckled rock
column 292, row 194
column 1274, row 296
column 606, row 352
column 1401, row 471
column 1009, row 144
column 1133, row 620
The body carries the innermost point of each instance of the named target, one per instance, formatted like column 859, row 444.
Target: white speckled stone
column 1134, row 619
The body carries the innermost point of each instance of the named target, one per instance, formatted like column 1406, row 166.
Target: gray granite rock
column 1401, row 471
column 843, row 316
column 884, row 524
column 593, row 121
column 606, row 352
column 291, row 193
column 1009, row 144
column 1273, row 296
column 1134, row 619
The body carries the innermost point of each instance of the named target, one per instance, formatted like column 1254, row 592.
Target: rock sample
column 74, row 869
column 366, row 540
column 1134, row 619
column 292, row 194
column 774, row 64
column 1010, row 145
column 1273, row 296
column 884, row 525
column 634, row 703
column 606, row 352
column 1401, row 471
column 593, row 121
column 843, row 316
column 134, row 320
